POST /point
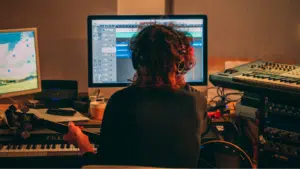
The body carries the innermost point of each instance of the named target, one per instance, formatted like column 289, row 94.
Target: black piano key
column 43, row 146
column 20, row 146
column 14, row 146
column 62, row 146
column 53, row 146
column 48, row 146
column 34, row 146
column 1, row 146
column 8, row 147
column 68, row 145
column 28, row 146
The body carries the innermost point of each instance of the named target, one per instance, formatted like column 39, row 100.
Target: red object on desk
column 216, row 114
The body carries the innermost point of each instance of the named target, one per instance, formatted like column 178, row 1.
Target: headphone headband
column 181, row 66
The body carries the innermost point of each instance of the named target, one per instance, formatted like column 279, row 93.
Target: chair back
column 222, row 154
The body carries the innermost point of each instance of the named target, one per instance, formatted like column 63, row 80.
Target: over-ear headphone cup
column 134, row 61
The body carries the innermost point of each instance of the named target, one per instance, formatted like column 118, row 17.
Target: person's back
column 155, row 121
column 156, row 127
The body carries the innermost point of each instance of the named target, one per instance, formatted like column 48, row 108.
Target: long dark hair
column 158, row 50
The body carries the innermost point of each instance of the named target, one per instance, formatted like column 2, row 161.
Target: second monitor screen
column 111, row 56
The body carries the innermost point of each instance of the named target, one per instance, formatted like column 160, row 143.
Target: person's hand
column 76, row 137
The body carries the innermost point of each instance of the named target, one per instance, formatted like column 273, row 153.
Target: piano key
column 75, row 150
column 266, row 82
column 62, row 146
column 8, row 146
column 31, row 152
column 293, row 80
column 20, row 146
column 13, row 152
column 14, row 146
column 40, row 151
column 4, row 151
column 59, row 150
column 28, row 146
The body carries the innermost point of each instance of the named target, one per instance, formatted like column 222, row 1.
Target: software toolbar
column 104, row 54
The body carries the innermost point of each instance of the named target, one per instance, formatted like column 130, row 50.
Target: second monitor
column 19, row 62
column 110, row 62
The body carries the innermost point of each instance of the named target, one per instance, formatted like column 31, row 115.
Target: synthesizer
column 38, row 149
column 260, row 76
column 44, row 149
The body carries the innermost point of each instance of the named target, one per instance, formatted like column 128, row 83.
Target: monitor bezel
column 39, row 88
column 152, row 17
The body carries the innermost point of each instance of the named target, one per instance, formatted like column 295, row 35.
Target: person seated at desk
column 156, row 120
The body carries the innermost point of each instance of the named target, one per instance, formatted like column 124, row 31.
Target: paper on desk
column 42, row 113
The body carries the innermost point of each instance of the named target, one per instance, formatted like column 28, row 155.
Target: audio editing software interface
column 112, row 56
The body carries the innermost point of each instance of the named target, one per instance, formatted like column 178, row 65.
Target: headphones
column 181, row 66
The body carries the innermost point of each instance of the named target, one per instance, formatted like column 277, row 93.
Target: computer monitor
column 109, row 56
column 19, row 62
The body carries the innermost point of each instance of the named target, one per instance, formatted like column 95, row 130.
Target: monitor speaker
column 58, row 93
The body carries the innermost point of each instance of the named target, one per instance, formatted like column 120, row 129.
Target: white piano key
column 4, row 151
column 13, row 152
column 75, row 150
column 40, row 151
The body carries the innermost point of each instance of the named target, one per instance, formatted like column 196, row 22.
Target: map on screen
column 18, row 65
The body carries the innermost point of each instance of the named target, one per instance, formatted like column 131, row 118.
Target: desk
column 90, row 123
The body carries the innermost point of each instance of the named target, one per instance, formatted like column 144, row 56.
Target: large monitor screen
column 19, row 68
column 109, row 55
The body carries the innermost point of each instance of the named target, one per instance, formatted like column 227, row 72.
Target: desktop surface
column 110, row 62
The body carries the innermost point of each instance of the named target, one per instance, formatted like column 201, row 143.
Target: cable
column 213, row 99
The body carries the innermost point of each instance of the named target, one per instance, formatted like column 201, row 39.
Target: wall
column 248, row 29
column 62, row 32
column 141, row 7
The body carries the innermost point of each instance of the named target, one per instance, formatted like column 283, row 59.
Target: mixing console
column 260, row 76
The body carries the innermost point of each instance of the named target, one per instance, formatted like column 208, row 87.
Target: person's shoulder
column 196, row 94
column 125, row 92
